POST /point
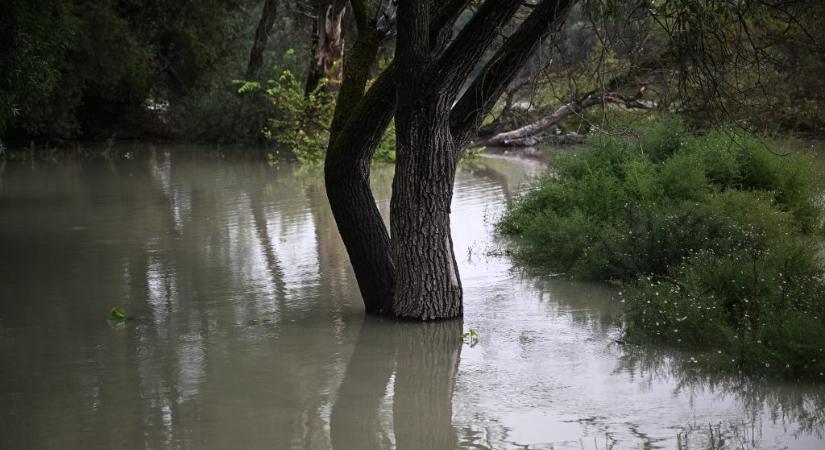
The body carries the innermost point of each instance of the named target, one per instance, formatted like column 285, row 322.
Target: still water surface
column 249, row 332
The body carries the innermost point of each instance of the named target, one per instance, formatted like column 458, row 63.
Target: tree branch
column 441, row 27
column 574, row 107
column 458, row 60
column 488, row 86
column 373, row 114
column 357, row 65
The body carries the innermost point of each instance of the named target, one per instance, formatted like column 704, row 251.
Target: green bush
column 716, row 238
column 304, row 120
column 301, row 122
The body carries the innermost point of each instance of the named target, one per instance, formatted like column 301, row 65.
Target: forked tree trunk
column 415, row 276
column 430, row 75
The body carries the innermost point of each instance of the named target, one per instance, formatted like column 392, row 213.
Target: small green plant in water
column 470, row 337
column 117, row 315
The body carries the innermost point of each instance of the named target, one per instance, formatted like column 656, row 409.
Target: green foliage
column 301, row 121
column 470, row 337
column 386, row 148
column 117, row 314
column 751, row 62
column 86, row 68
column 717, row 238
column 303, row 125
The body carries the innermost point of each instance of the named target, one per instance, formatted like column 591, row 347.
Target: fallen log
column 529, row 134
column 571, row 138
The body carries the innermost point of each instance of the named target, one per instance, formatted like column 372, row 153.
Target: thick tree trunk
column 357, row 127
column 256, row 55
column 428, row 286
column 327, row 48
column 347, row 180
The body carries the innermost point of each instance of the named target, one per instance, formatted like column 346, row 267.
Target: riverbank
column 715, row 240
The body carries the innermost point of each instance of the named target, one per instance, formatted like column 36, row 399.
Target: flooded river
column 248, row 331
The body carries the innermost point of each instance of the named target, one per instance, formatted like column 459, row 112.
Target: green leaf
column 117, row 314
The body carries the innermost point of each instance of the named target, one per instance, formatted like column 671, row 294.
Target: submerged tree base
column 716, row 238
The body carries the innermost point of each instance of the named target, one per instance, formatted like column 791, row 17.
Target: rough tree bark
column 429, row 145
column 256, row 55
column 428, row 286
column 327, row 47
column 415, row 275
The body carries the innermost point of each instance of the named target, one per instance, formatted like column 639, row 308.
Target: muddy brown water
column 247, row 330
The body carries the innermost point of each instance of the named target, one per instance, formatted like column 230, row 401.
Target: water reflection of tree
column 787, row 403
column 197, row 235
column 511, row 173
column 591, row 305
column 197, row 369
column 221, row 351
column 422, row 360
column 597, row 307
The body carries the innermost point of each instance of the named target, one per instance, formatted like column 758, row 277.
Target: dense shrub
column 716, row 238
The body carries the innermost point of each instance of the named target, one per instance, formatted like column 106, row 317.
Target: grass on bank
column 716, row 238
